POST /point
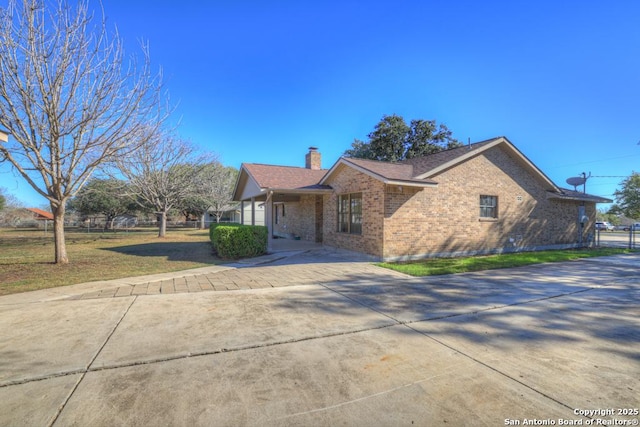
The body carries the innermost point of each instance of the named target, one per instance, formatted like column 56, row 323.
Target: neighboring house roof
column 40, row 214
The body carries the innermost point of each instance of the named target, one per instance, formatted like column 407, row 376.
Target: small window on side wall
column 488, row 206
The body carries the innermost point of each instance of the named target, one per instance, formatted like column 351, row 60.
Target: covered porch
column 292, row 197
column 289, row 215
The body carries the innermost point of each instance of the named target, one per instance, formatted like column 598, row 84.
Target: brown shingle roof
column 429, row 162
column 567, row 194
column 284, row 177
column 384, row 169
column 389, row 172
column 413, row 172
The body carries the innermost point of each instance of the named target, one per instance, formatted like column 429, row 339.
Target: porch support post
column 241, row 211
column 253, row 211
column 268, row 219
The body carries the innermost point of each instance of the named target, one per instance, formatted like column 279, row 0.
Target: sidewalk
column 222, row 277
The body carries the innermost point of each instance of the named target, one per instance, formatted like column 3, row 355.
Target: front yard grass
column 26, row 256
column 438, row 266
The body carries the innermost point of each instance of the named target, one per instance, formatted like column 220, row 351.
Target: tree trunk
column 202, row 221
column 58, row 234
column 162, row 227
column 108, row 223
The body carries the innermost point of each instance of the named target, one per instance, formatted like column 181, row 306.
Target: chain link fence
column 618, row 239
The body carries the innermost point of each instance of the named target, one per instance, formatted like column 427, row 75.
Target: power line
column 593, row 161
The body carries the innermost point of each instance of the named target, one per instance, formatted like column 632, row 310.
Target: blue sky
column 260, row 81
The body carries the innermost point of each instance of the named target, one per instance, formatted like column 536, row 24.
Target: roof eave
column 299, row 190
column 425, row 184
column 265, row 191
column 499, row 140
column 374, row 175
column 460, row 159
column 345, row 161
column 239, row 177
column 333, row 168
column 578, row 198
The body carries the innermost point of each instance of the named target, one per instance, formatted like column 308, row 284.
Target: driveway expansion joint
column 83, row 373
column 394, row 322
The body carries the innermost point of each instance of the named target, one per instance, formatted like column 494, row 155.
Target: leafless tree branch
column 69, row 99
column 163, row 173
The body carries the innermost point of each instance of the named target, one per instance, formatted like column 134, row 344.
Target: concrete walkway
column 322, row 338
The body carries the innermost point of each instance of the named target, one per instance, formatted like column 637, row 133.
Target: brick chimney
column 313, row 159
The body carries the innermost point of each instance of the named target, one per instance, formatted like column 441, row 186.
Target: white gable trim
column 246, row 186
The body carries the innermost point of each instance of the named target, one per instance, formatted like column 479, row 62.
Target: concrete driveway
column 319, row 338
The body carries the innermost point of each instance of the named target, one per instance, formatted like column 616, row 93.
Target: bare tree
column 12, row 211
column 68, row 99
column 220, row 190
column 162, row 174
column 213, row 191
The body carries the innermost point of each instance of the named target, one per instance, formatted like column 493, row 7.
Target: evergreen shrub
column 233, row 241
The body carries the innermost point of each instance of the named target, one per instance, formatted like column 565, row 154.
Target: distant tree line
column 191, row 190
column 627, row 198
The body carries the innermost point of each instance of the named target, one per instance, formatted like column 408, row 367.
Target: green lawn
column 26, row 256
column 437, row 266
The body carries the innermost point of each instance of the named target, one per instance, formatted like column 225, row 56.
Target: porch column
column 241, row 211
column 253, row 211
column 268, row 219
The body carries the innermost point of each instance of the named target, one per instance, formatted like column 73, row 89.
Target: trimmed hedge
column 233, row 241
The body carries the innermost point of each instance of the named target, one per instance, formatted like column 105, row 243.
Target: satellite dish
column 576, row 180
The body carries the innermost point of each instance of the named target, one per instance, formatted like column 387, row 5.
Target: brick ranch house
column 481, row 198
